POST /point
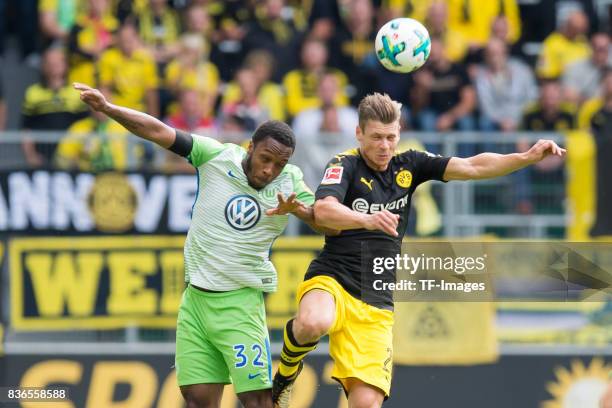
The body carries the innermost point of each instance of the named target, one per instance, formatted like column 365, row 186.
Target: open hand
column 290, row 205
column 542, row 149
column 91, row 96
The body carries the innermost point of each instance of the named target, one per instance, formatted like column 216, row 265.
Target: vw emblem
column 242, row 212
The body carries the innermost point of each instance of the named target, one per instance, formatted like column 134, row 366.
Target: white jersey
column 230, row 235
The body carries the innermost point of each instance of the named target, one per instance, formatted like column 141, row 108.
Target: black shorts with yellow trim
column 361, row 338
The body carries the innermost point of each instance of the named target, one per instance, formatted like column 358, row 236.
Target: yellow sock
column 292, row 352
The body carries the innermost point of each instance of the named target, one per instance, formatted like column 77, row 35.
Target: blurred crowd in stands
column 207, row 64
column 223, row 67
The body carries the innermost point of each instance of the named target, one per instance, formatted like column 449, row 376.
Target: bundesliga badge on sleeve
column 333, row 175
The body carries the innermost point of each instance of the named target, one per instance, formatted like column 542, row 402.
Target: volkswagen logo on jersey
column 242, row 212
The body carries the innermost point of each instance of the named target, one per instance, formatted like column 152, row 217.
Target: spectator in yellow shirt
column 587, row 111
column 124, row 9
column 548, row 114
column 197, row 21
column 590, row 107
column 500, row 31
column 327, row 118
column 89, row 37
column 160, row 28
column 474, row 19
column 248, row 107
column 582, row 79
column 274, row 30
column 563, row 47
column 351, row 48
column 56, row 18
column 191, row 70
column 301, row 84
column 226, row 20
column 95, row 143
column 269, row 94
column 128, row 74
column 455, row 45
column 49, row 105
column 416, row 9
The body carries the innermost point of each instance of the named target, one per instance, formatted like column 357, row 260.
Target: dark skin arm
column 138, row 123
column 304, row 212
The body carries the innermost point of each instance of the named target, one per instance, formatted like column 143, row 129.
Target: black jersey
column 349, row 179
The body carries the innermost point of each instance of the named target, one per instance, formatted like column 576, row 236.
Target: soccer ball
column 402, row 45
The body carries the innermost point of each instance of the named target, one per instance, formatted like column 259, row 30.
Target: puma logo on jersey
column 388, row 360
column 367, row 183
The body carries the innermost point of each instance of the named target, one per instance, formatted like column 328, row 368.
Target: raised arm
column 138, row 123
column 490, row 165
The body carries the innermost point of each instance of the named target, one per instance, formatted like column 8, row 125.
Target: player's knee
column 195, row 402
column 311, row 326
column 367, row 400
column 196, row 399
column 362, row 395
column 256, row 399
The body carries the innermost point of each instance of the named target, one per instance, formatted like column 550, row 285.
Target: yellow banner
column 444, row 333
column 114, row 282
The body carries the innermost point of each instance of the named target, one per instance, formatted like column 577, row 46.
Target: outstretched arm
column 490, row 165
column 138, row 123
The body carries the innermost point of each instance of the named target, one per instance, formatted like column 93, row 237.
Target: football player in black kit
column 366, row 194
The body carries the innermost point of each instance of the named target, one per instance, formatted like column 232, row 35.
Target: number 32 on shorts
column 242, row 359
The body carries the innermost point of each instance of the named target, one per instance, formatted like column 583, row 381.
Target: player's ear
column 251, row 147
column 358, row 133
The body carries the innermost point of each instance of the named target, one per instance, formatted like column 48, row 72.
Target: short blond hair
column 378, row 107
